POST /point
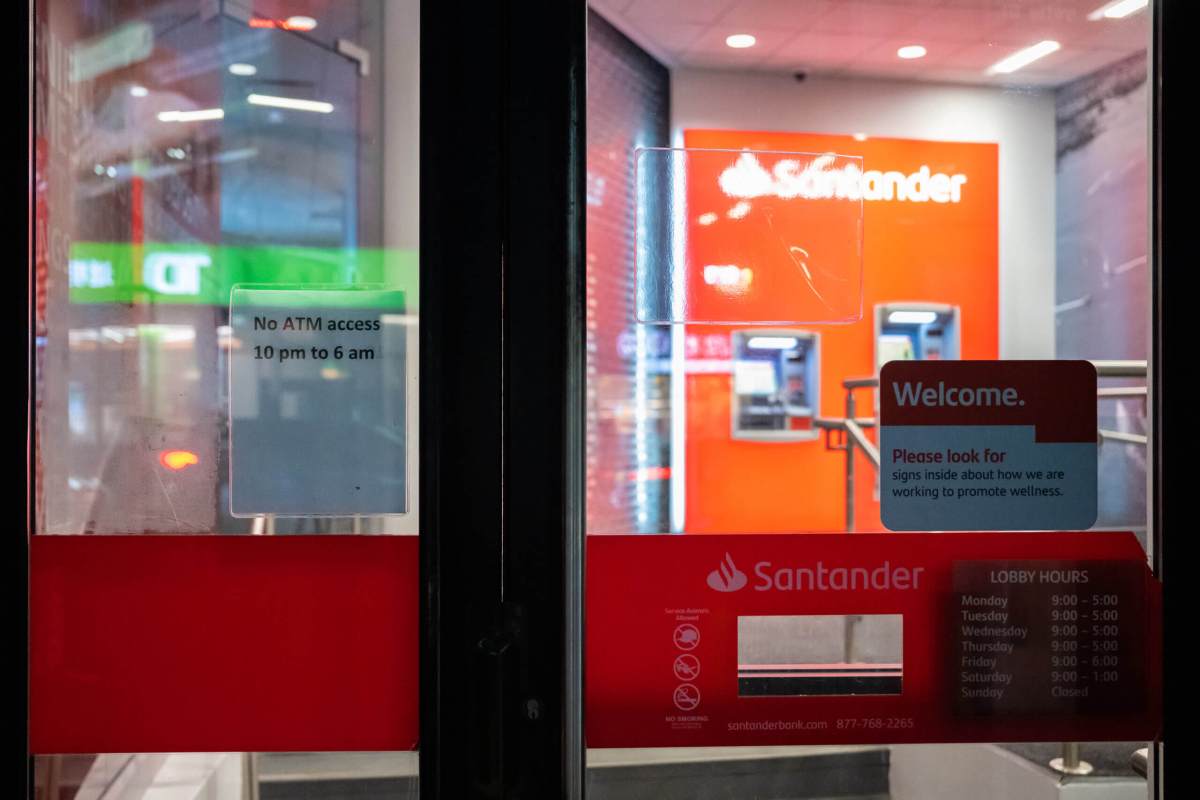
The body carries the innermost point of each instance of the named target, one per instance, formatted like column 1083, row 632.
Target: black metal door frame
column 502, row 386
column 1172, row 373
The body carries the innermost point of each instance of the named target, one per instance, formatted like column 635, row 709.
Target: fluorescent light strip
column 191, row 116
column 772, row 342
column 1023, row 58
column 1118, row 10
column 912, row 317
column 292, row 103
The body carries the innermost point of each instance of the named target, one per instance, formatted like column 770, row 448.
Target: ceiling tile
column 868, row 18
column 955, row 25
column 669, row 34
column 1081, row 63
column 977, row 57
column 813, row 49
column 1131, row 33
column 794, row 15
column 920, row 6
column 711, row 44
column 860, row 37
column 698, row 11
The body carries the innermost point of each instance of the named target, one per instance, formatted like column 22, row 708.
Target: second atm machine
column 915, row 332
column 776, row 385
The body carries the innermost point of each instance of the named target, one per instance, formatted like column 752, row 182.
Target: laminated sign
column 317, row 401
column 1001, row 445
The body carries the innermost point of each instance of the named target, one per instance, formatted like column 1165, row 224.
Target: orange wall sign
column 930, row 234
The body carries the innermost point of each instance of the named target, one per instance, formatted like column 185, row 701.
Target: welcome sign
column 1002, row 445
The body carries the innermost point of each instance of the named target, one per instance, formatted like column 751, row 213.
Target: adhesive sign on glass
column 317, row 401
column 1006, row 445
column 744, row 639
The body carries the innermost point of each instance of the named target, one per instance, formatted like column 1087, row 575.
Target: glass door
column 223, row 561
column 246, row 579
column 871, row 484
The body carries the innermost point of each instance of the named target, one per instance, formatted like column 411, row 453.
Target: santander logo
column 817, row 577
column 727, row 577
column 821, row 178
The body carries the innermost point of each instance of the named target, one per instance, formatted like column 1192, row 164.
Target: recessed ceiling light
column 911, row 51
column 740, row 41
column 244, row 70
column 138, row 91
column 1023, row 58
column 299, row 23
column 1119, row 9
column 860, row 137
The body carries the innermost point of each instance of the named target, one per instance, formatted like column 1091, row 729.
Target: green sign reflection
column 199, row 274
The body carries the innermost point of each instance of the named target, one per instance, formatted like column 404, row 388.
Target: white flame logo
column 727, row 577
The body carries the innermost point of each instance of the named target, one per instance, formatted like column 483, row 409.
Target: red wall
column 935, row 252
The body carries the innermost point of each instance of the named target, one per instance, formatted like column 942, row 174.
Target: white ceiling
column 860, row 37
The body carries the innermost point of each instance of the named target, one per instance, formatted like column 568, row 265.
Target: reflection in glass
column 833, row 654
column 760, row 237
column 181, row 150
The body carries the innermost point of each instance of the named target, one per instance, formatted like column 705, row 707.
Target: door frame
column 502, row 399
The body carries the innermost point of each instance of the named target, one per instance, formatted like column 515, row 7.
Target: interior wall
column 1022, row 123
column 1103, row 281
column 1019, row 314
column 936, row 252
column 628, row 399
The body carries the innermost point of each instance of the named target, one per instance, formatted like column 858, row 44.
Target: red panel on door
column 223, row 643
column 995, row 637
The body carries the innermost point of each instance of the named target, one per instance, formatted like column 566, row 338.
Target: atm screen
column 896, row 347
column 754, row 378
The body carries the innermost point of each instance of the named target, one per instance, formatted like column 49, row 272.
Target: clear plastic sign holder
column 750, row 237
column 317, row 397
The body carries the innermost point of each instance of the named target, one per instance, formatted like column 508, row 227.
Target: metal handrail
column 860, row 438
column 1105, row 368
column 1122, row 436
column 1139, row 762
column 1122, row 391
column 837, row 423
column 1120, row 369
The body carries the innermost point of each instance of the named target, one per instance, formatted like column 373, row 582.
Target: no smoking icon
column 686, row 697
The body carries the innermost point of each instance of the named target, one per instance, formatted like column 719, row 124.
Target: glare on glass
column 754, row 237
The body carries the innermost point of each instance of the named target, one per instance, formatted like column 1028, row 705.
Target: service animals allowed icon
column 686, row 637
column 727, row 577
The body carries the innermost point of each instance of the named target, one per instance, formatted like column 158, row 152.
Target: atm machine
column 775, row 385
column 915, row 331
